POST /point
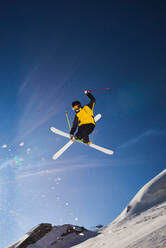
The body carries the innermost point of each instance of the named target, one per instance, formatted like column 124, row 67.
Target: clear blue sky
column 50, row 53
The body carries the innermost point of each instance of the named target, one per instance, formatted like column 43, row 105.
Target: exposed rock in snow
column 33, row 235
column 46, row 236
column 64, row 236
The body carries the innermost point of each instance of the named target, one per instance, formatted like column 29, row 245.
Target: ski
column 68, row 144
column 62, row 150
column 97, row 117
column 99, row 148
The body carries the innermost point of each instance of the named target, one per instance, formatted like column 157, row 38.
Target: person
column 84, row 119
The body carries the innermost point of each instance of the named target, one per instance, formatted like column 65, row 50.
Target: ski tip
column 55, row 156
column 109, row 152
column 97, row 117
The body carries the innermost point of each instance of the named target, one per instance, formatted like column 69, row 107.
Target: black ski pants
column 84, row 131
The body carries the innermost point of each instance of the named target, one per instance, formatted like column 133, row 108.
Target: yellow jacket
column 85, row 116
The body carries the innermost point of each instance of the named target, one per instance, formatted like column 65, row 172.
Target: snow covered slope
column 142, row 224
column 151, row 194
column 146, row 230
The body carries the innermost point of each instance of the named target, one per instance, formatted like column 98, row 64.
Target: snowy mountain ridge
column 142, row 224
column 151, row 194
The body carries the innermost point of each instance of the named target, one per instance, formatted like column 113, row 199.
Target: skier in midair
column 84, row 119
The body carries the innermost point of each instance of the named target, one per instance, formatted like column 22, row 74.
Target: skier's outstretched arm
column 92, row 99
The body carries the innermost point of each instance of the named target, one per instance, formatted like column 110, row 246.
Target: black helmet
column 76, row 103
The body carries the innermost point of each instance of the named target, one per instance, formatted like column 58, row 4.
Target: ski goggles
column 75, row 107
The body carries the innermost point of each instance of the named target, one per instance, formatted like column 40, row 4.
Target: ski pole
column 107, row 88
column 68, row 120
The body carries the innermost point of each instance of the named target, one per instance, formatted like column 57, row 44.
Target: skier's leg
column 79, row 134
column 82, row 133
column 88, row 128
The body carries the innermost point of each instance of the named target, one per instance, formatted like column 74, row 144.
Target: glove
column 71, row 137
column 86, row 92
